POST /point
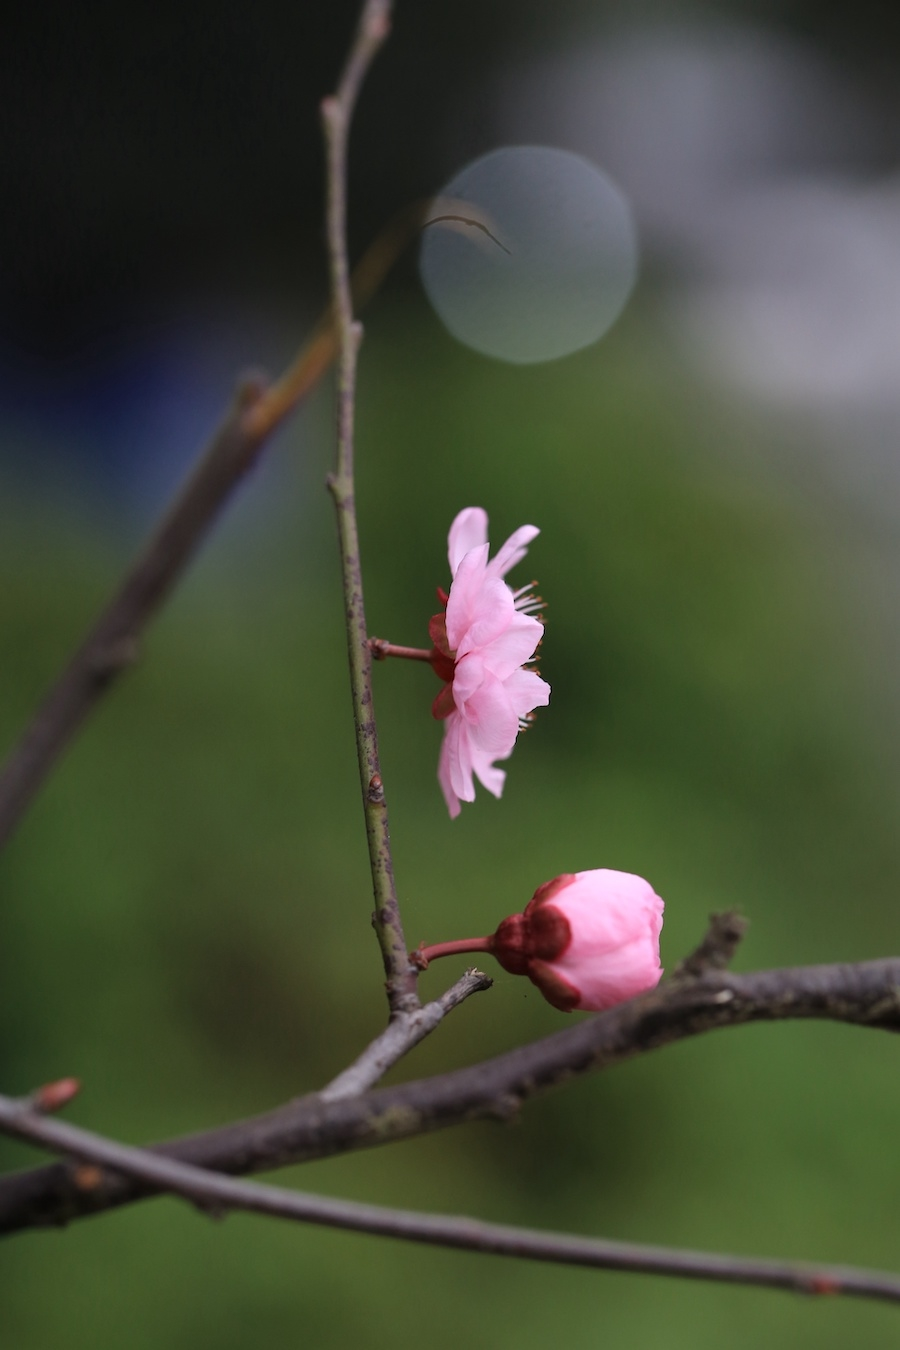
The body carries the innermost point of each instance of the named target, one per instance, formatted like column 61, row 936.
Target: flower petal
column 509, row 650
column 459, row 759
column 464, row 594
column 627, row 971
column 445, row 778
column 489, row 617
column 526, row 691
column 615, row 918
column 491, row 723
column 490, row 777
column 513, row 550
column 469, row 530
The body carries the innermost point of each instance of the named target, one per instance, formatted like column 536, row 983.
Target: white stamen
column 525, row 602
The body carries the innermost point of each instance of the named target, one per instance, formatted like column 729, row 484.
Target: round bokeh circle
column 529, row 253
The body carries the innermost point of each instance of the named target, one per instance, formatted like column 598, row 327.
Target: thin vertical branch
column 337, row 113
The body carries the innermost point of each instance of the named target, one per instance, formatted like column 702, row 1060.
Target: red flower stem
column 423, row 955
column 381, row 650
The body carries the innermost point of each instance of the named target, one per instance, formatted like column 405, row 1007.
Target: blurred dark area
column 164, row 161
column 148, row 147
column 151, row 147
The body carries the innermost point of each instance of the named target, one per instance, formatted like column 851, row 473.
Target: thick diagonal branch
column 866, row 994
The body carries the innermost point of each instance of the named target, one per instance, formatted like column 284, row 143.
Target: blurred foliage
column 185, row 911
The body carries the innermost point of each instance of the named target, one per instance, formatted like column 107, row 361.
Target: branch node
column 116, row 657
column 506, row 1108
column 250, row 388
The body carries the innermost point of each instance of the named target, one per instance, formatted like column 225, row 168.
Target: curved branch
column 111, row 646
column 217, row 1195
column 866, row 994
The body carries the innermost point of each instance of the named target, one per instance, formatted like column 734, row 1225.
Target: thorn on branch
column 718, row 947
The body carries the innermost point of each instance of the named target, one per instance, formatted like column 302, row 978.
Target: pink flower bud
column 588, row 940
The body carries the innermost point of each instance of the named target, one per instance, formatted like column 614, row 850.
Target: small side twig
column 399, row 1037
column 216, row 1195
column 716, row 950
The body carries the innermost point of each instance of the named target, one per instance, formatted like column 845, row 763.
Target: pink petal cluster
column 588, row 940
column 482, row 642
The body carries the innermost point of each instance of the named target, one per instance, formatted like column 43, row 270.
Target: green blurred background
column 185, row 910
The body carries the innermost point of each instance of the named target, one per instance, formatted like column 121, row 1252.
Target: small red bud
column 54, row 1096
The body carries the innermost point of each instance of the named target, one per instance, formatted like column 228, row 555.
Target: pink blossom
column 588, row 940
column 482, row 645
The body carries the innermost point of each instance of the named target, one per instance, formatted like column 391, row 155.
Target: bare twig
column 867, row 994
column 337, row 113
column 405, row 1031
column 368, row 274
column 217, row 1195
column 718, row 947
